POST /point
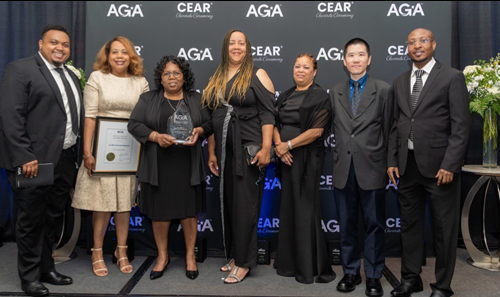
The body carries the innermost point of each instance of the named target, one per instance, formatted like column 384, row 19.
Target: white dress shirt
column 70, row 137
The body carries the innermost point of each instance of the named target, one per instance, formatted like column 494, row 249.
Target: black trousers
column 242, row 199
column 445, row 209
column 372, row 202
column 38, row 207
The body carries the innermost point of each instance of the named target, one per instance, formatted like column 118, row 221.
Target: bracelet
column 154, row 136
column 86, row 157
column 289, row 145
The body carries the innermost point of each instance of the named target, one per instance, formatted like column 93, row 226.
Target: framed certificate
column 115, row 150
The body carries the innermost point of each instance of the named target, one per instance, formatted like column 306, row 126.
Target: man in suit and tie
column 41, row 121
column 427, row 145
column 362, row 111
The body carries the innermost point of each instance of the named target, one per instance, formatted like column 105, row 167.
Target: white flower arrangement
column 483, row 84
column 78, row 72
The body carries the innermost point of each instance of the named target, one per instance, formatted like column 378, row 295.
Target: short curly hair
column 183, row 65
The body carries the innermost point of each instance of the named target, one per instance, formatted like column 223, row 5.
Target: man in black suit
column 362, row 113
column 427, row 145
column 41, row 120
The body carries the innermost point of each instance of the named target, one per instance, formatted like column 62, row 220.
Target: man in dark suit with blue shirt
column 362, row 109
column 427, row 145
column 41, row 121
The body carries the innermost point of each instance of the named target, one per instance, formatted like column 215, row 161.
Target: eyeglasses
column 421, row 41
column 174, row 74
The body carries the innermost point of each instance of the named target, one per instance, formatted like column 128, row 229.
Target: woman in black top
column 242, row 97
column 303, row 116
column 171, row 175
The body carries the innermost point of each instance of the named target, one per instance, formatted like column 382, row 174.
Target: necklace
column 178, row 102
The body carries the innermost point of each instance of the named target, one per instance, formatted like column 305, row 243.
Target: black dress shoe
column 373, row 287
column 34, row 288
column 157, row 274
column 349, row 282
column 192, row 274
column 405, row 289
column 55, row 278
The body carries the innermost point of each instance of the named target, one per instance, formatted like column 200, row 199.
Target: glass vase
column 490, row 137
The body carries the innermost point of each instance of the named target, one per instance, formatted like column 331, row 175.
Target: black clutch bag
column 251, row 150
column 45, row 177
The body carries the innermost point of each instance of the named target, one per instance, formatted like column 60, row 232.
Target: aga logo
column 272, row 184
column 265, row 11
column 332, row 54
column 397, row 53
column 331, row 226
column 194, row 54
column 267, row 53
column 203, row 225
column 406, row 9
column 335, row 10
column 194, row 10
column 125, row 11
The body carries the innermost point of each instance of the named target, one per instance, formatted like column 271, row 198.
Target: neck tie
column 356, row 97
column 417, row 88
column 71, row 101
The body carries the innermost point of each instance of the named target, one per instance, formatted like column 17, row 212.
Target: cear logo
column 194, row 7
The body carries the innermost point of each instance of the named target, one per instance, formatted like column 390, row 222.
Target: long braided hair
column 217, row 83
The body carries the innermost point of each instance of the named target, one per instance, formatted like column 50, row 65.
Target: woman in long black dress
column 303, row 115
column 243, row 97
column 171, row 175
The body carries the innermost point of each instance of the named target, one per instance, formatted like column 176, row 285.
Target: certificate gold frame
column 115, row 150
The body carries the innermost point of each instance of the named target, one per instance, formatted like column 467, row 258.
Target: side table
column 478, row 258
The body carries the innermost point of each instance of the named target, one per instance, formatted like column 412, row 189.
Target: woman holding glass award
column 171, row 169
column 242, row 99
column 111, row 91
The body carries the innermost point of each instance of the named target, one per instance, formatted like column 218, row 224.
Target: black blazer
column 361, row 138
column 32, row 114
column 145, row 118
column 440, row 122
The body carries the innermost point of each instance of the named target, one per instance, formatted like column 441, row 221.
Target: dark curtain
column 21, row 24
column 476, row 35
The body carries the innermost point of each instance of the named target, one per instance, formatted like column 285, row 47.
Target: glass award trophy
column 179, row 124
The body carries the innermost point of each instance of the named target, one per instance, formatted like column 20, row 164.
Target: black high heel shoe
column 157, row 274
column 192, row 274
